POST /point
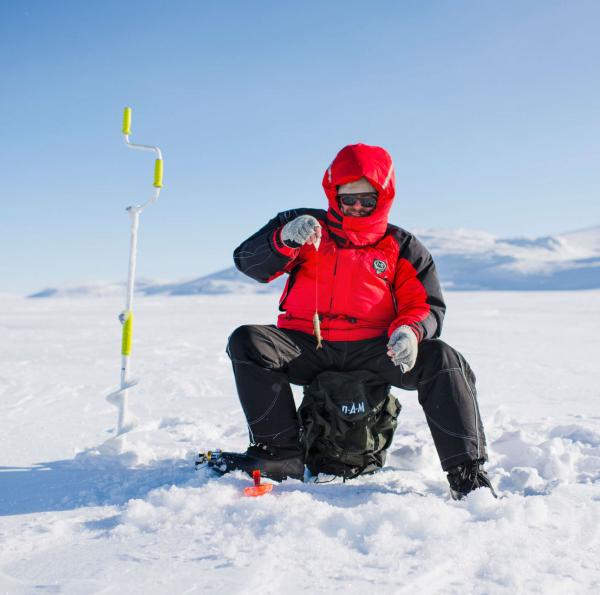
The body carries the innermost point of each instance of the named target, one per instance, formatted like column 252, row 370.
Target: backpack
column 347, row 422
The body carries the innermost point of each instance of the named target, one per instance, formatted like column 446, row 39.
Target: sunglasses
column 367, row 199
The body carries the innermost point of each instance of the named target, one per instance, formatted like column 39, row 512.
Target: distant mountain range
column 466, row 260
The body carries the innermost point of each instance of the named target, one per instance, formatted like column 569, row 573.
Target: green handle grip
column 127, row 121
column 127, row 334
column 158, row 173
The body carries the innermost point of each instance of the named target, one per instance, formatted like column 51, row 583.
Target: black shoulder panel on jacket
column 419, row 257
column 257, row 257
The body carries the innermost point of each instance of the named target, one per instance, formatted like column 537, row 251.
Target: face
column 357, row 204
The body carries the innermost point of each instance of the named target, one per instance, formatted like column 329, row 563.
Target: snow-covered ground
column 74, row 520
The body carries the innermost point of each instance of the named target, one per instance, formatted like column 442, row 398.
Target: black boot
column 467, row 477
column 274, row 462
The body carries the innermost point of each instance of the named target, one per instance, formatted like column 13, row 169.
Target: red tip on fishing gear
column 258, row 489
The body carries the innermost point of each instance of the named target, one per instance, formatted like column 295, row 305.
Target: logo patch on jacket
column 379, row 266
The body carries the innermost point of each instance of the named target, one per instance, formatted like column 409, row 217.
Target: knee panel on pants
column 238, row 342
column 437, row 355
column 261, row 345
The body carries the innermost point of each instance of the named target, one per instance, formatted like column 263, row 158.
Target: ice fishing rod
column 119, row 397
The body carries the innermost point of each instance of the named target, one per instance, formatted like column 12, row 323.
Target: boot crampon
column 275, row 463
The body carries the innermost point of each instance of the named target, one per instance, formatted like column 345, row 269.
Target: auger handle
column 158, row 164
column 127, row 121
column 158, row 173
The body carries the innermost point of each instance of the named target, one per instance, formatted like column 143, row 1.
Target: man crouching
column 380, row 308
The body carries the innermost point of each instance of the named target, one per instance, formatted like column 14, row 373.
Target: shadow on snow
column 84, row 481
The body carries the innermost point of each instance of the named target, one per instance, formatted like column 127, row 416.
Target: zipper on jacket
column 333, row 277
column 394, row 300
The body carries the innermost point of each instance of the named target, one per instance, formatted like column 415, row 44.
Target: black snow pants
column 266, row 359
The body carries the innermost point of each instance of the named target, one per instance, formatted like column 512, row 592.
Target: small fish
column 317, row 330
column 315, row 239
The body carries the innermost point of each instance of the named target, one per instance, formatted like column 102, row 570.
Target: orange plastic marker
column 258, row 489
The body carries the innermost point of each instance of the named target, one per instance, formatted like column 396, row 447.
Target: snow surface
column 76, row 519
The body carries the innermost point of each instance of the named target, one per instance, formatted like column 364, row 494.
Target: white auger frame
column 119, row 397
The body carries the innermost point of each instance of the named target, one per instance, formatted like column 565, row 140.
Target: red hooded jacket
column 366, row 279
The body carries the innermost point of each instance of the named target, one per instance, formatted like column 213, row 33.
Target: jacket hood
column 350, row 164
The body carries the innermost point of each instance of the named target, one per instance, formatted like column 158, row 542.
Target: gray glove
column 403, row 347
column 295, row 233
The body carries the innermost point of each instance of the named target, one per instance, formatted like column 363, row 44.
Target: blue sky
column 489, row 109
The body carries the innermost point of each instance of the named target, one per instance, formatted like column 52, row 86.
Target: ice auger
column 119, row 397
